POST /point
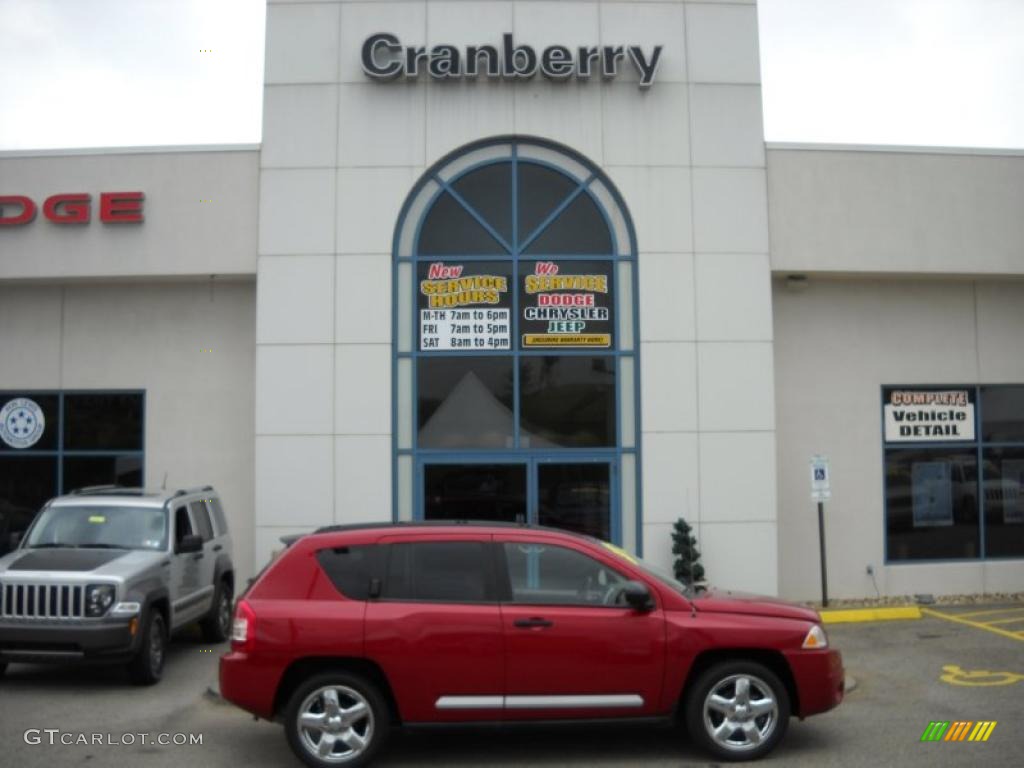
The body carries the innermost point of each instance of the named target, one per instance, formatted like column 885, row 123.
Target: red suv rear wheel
column 336, row 719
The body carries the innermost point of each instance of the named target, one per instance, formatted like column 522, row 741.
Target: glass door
column 573, row 494
column 492, row 491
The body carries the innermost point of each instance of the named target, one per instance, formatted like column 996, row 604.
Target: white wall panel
column 369, row 200
column 294, row 478
column 726, row 124
column 666, row 297
column 740, row 556
column 363, row 390
column 669, row 386
column 646, row 127
column 300, row 126
column 730, row 210
column 362, row 295
column 659, row 201
column 380, row 124
column 723, row 44
column 302, row 44
column 736, row 386
column 294, row 389
column 296, row 211
column 671, row 482
column 362, row 477
column 737, row 476
column 295, row 297
column 915, row 212
column 733, row 294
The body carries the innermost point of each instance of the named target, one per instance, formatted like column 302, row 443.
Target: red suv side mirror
column 637, row 596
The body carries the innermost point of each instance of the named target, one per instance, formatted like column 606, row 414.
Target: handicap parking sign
column 821, row 485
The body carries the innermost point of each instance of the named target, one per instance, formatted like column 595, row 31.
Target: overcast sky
column 81, row 73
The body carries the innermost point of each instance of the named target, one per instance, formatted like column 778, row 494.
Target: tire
column 717, row 699
column 3, row 668
column 360, row 734
column 216, row 626
column 148, row 665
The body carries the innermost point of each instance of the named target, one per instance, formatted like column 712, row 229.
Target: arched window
column 516, row 375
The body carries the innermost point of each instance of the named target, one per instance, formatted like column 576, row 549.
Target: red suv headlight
column 243, row 629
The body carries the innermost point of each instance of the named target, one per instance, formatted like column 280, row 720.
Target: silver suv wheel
column 740, row 712
column 335, row 724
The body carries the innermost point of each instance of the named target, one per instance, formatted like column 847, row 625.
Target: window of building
column 516, row 372
column 54, row 442
column 954, row 472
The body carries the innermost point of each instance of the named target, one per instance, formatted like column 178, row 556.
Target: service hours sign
column 465, row 306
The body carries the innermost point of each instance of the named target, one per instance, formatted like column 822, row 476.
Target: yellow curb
column 870, row 614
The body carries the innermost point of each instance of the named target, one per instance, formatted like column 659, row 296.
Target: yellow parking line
column 976, row 624
column 1005, row 621
column 986, row 613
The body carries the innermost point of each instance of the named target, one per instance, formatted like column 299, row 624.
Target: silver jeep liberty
column 106, row 574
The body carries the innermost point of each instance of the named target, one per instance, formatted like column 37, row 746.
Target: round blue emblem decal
column 21, row 423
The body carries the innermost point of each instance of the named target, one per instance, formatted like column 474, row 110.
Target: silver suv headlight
column 98, row 599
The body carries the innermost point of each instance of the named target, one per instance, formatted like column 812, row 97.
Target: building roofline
column 895, row 149
column 148, row 150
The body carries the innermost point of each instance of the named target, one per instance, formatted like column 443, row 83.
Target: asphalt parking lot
column 898, row 667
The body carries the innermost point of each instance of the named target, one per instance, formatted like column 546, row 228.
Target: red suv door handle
column 530, row 623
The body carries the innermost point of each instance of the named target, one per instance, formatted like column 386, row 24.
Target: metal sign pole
column 821, row 489
column 821, row 540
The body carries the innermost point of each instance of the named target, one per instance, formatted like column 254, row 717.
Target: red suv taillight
column 243, row 629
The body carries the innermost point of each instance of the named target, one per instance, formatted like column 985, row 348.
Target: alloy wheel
column 740, row 712
column 335, row 723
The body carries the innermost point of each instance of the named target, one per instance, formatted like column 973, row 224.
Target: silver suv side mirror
column 190, row 543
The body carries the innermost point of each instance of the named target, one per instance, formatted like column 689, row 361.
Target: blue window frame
column 87, row 437
column 953, row 468
column 515, row 341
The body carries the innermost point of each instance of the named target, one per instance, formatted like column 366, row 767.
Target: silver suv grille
column 42, row 601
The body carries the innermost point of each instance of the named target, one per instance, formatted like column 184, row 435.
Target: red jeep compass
column 358, row 629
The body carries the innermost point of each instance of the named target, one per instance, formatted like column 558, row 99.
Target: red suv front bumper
column 819, row 678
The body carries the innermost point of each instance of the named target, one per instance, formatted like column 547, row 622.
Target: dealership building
column 532, row 261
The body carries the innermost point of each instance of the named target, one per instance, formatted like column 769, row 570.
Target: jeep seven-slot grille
column 42, row 601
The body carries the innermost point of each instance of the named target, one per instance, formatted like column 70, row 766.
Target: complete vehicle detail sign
column 924, row 415
column 566, row 304
column 464, row 306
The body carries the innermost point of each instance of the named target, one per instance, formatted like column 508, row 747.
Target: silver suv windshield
column 100, row 527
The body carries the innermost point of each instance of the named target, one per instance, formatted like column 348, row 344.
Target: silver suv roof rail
column 106, row 490
column 196, row 489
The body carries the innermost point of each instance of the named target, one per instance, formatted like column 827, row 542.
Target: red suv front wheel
column 737, row 710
